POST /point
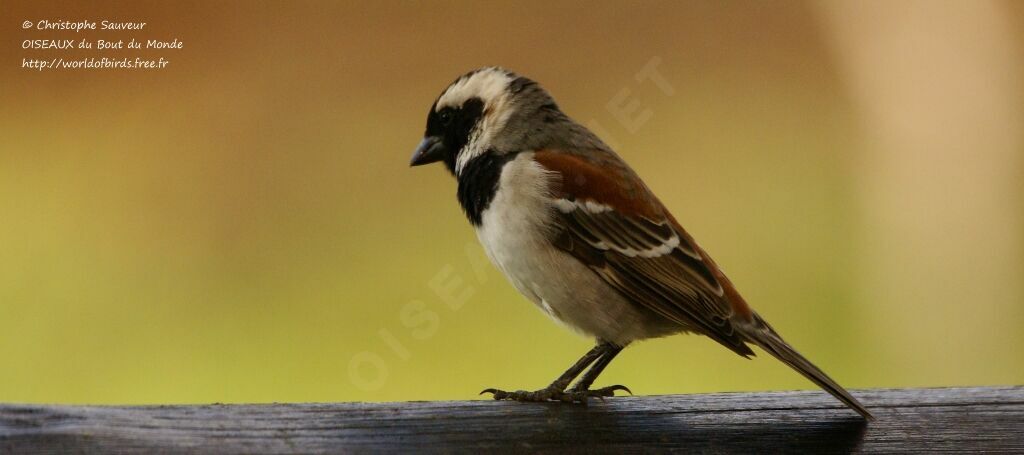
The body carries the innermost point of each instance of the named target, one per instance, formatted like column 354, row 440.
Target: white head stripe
column 488, row 84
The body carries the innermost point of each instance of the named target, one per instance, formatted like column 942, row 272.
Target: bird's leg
column 556, row 390
column 581, row 390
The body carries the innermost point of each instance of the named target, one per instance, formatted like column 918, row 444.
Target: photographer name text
column 78, row 26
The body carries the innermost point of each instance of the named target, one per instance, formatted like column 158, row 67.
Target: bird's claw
column 552, row 394
column 604, row 391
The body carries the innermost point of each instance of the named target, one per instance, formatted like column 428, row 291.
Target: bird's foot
column 551, row 393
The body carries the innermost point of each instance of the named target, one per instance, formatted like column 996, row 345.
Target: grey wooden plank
column 908, row 420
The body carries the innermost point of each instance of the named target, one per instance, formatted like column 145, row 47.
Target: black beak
column 431, row 150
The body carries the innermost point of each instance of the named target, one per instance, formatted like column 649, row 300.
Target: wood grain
column 908, row 420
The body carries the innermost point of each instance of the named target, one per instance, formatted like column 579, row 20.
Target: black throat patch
column 478, row 183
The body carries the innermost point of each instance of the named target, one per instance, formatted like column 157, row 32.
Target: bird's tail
column 760, row 333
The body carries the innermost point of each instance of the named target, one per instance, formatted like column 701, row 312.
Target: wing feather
column 634, row 245
column 650, row 263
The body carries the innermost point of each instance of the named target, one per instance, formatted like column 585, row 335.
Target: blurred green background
column 242, row 226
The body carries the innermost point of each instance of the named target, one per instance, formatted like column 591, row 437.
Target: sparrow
column 577, row 232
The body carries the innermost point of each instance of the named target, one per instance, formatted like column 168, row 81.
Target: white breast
column 515, row 232
column 514, row 227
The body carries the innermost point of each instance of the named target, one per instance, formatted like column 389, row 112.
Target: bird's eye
column 446, row 117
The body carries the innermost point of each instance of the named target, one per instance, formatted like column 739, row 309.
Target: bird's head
column 489, row 110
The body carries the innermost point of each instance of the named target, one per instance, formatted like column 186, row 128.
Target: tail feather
column 762, row 334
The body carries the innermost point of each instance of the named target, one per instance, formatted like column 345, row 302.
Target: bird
column 577, row 232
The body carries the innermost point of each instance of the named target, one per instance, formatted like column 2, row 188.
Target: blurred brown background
column 242, row 225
